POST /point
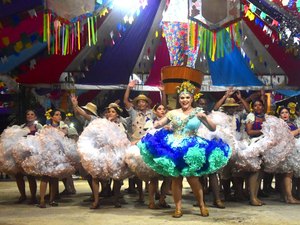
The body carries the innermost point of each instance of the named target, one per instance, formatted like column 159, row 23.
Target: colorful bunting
column 65, row 35
column 286, row 29
column 5, row 41
column 214, row 43
column 32, row 13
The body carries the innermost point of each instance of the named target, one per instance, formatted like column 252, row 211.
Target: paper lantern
column 215, row 14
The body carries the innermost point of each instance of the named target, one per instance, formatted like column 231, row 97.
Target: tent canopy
column 123, row 49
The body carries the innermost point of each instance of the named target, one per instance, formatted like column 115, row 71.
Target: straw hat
column 230, row 102
column 91, row 107
column 142, row 97
column 114, row 105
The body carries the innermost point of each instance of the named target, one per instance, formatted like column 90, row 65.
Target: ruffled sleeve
column 39, row 126
column 250, row 118
column 198, row 109
column 170, row 115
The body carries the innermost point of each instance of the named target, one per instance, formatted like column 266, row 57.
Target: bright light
column 126, row 18
column 130, row 21
column 36, row 122
column 285, row 2
column 129, row 6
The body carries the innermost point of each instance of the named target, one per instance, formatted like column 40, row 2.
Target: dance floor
column 75, row 210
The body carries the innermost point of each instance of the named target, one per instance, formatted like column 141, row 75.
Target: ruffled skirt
column 269, row 150
column 8, row 141
column 48, row 153
column 188, row 156
column 292, row 162
column 137, row 165
column 102, row 147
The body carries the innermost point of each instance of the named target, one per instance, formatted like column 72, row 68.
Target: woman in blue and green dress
column 181, row 152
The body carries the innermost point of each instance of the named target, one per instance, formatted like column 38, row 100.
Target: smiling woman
column 181, row 152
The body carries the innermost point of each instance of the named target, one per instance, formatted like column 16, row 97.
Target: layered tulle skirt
column 268, row 151
column 47, row 153
column 137, row 165
column 8, row 141
column 102, row 147
column 186, row 156
column 292, row 161
column 226, row 129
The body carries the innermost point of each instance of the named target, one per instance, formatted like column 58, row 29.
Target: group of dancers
column 152, row 144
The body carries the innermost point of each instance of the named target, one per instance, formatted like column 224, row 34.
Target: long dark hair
column 258, row 100
column 280, row 108
column 155, row 107
column 63, row 114
column 118, row 111
column 30, row 110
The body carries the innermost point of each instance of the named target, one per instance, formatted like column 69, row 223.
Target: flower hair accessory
column 251, row 107
column 186, row 87
column 278, row 109
column 292, row 106
column 47, row 114
column 69, row 114
column 197, row 96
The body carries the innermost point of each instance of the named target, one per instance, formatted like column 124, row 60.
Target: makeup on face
column 160, row 111
column 112, row 114
column 30, row 116
column 284, row 114
column 185, row 100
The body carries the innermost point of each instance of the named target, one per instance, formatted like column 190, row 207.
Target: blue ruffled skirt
column 186, row 156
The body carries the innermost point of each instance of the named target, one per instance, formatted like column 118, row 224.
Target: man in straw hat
column 139, row 111
column 228, row 102
column 237, row 112
column 85, row 113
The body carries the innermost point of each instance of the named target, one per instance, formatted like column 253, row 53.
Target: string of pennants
column 65, row 38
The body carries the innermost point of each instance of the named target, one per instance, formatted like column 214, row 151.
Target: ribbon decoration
column 66, row 30
column 214, row 43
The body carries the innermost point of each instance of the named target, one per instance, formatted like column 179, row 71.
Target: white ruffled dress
column 102, row 147
column 136, row 163
column 267, row 151
column 47, row 153
column 8, row 140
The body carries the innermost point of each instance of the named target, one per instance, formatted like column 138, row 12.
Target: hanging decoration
column 290, row 6
column 71, row 10
column 180, row 50
column 281, row 29
column 15, row 38
column 215, row 15
column 132, row 8
column 175, row 25
column 218, row 18
column 216, row 43
column 71, row 24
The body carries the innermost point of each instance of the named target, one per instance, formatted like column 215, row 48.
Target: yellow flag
column 18, row 46
column 5, row 41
